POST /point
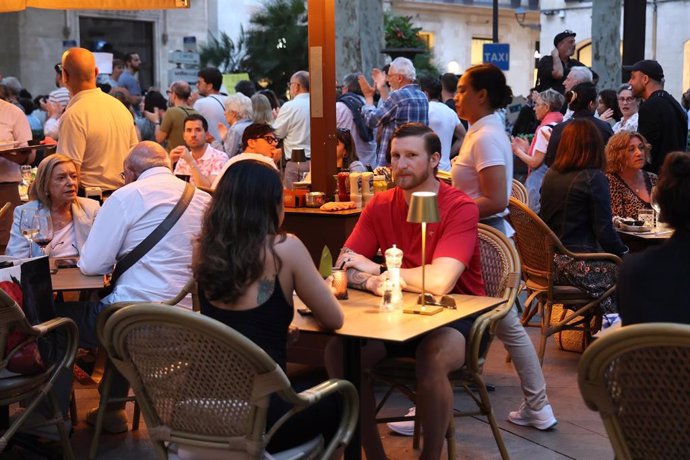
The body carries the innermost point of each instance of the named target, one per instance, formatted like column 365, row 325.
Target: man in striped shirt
column 403, row 103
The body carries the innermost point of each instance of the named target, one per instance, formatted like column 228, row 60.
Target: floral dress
column 624, row 201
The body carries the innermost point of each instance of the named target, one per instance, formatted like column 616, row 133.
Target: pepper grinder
column 394, row 258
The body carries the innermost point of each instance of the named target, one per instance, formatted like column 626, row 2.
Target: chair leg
column 545, row 324
column 73, row 409
column 62, row 430
column 417, row 432
column 136, row 417
column 450, row 439
column 489, row 412
column 102, row 404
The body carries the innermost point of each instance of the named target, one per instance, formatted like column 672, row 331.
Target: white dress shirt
column 443, row 121
column 130, row 215
column 293, row 125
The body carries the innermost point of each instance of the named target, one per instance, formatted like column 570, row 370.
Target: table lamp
column 423, row 210
column 298, row 156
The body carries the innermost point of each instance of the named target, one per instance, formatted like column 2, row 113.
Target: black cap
column 649, row 67
column 563, row 35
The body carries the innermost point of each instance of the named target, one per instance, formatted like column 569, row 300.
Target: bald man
column 96, row 130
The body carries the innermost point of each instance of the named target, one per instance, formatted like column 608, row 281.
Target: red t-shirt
column 384, row 222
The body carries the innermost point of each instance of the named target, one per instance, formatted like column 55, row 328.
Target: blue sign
column 497, row 54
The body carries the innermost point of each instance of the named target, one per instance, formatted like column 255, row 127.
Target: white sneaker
column 541, row 419
column 405, row 428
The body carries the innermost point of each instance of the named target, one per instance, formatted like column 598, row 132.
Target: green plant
column 222, row 52
column 277, row 43
column 400, row 32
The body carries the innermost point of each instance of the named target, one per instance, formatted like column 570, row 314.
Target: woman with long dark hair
column 575, row 204
column 246, row 270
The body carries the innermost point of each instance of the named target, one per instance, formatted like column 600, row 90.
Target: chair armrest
column 594, row 256
column 189, row 287
column 315, row 394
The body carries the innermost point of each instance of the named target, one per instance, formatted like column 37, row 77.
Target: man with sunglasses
column 258, row 143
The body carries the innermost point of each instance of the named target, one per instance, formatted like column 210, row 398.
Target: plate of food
column 631, row 225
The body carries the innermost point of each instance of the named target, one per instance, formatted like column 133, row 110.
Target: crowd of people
column 594, row 155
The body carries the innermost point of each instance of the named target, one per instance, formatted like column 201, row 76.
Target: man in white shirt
column 348, row 115
column 293, row 126
column 200, row 162
column 212, row 104
column 96, row 130
column 443, row 121
column 124, row 221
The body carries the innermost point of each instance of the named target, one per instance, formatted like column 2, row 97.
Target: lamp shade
column 423, row 208
column 298, row 156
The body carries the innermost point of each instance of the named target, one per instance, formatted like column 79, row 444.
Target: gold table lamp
column 423, row 210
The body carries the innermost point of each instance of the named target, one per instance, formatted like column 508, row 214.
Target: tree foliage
column 223, row 53
column 400, row 32
column 277, row 43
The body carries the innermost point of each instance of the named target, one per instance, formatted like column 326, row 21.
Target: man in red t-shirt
column 453, row 251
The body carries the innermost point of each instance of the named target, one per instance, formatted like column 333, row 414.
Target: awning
column 19, row 5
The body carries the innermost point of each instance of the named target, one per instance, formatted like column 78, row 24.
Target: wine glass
column 44, row 230
column 26, row 226
column 657, row 209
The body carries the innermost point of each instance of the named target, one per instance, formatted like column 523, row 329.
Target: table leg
column 352, row 355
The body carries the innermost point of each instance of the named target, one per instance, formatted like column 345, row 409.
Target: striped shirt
column 405, row 105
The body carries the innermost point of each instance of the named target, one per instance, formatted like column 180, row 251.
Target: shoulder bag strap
column 222, row 106
column 150, row 241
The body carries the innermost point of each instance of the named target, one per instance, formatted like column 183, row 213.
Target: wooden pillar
column 321, row 26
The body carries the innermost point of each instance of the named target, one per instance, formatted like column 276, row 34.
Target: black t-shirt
column 544, row 78
column 664, row 123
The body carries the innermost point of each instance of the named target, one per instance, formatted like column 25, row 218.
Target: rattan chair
column 32, row 389
column 501, row 272
column 638, row 379
column 107, row 375
column 5, row 208
column 519, row 191
column 202, row 385
column 537, row 244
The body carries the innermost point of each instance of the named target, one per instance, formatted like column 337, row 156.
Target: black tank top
column 266, row 325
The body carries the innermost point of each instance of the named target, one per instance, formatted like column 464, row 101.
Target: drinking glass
column 646, row 216
column 26, row 226
column 44, row 230
column 27, row 174
column 655, row 207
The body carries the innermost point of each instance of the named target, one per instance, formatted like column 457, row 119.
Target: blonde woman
column 55, row 189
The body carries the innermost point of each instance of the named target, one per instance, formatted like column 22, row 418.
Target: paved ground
column 579, row 433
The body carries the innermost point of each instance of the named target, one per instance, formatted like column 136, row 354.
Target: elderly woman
column 55, row 189
column 653, row 285
column 238, row 113
column 262, row 112
column 547, row 108
column 630, row 187
column 629, row 106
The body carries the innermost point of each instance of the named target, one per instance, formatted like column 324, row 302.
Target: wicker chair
column 537, row 244
column 107, row 375
column 501, row 272
column 638, row 379
column 519, row 191
column 32, row 389
column 5, row 208
column 202, row 385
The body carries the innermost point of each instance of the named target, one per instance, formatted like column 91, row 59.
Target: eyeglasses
column 168, row 92
column 343, row 130
column 122, row 175
column 269, row 139
column 626, row 99
column 58, row 68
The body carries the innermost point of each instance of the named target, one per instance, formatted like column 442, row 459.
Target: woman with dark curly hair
column 653, row 285
column 630, row 187
column 607, row 107
column 246, row 270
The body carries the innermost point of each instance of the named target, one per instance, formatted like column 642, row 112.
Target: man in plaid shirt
column 403, row 103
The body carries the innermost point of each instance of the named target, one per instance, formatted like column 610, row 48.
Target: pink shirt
column 210, row 164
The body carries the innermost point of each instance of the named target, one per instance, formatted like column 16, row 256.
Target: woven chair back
column 501, row 273
column 519, row 191
column 638, row 379
column 194, row 377
column 535, row 241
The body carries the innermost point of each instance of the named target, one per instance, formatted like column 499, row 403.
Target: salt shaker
column 394, row 257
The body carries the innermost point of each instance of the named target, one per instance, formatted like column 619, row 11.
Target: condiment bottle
column 394, row 257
